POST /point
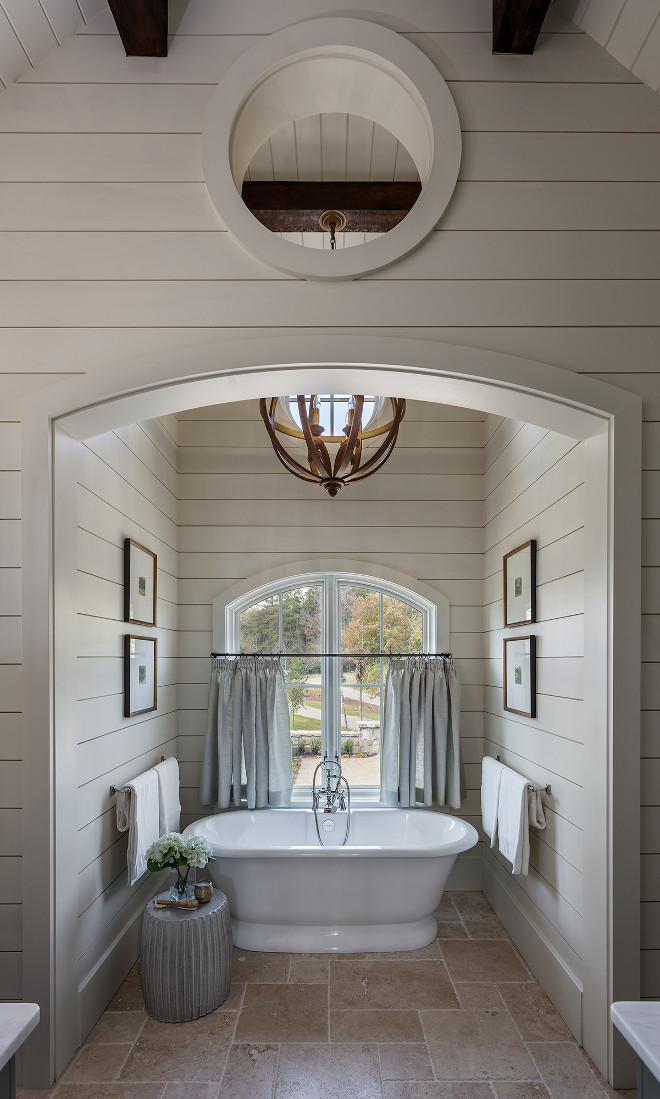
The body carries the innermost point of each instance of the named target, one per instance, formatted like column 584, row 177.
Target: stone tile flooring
column 460, row 1019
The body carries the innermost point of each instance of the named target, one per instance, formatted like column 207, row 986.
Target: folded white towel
column 535, row 810
column 169, row 806
column 513, row 820
column 491, row 775
column 137, row 814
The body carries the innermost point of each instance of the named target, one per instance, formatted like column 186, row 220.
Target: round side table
column 185, row 959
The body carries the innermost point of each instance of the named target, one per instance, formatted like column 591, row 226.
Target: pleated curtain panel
column 248, row 736
column 420, row 740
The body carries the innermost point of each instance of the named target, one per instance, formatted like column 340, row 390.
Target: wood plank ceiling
column 142, row 25
column 29, row 29
column 628, row 29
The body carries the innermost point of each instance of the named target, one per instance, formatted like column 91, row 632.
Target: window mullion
column 332, row 669
column 381, row 663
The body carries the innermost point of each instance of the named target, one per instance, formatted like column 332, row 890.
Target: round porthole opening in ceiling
column 357, row 78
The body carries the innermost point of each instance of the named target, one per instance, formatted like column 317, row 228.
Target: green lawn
column 370, row 710
column 304, row 724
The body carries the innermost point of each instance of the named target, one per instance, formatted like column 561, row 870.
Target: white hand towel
column 491, row 774
column 535, row 810
column 513, row 820
column 123, row 810
column 137, row 813
column 169, row 806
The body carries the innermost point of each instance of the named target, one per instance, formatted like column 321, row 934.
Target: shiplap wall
column 11, row 771
column 240, row 514
column 127, row 488
column 533, row 488
column 647, row 385
column 111, row 248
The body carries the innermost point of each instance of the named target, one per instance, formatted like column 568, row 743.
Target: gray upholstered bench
column 186, row 959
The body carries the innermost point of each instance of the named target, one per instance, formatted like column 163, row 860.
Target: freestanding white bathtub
column 287, row 893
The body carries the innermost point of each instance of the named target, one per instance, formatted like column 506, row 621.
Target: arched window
column 335, row 701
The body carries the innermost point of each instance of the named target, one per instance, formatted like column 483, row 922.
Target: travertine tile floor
column 460, row 1019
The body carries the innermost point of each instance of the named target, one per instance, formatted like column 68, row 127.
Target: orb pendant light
column 341, row 457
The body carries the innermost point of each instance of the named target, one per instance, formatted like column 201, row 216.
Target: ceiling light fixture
column 332, row 221
column 351, row 456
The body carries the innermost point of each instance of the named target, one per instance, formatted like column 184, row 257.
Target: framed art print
column 519, row 568
column 139, row 584
column 520, row 675
column 140, row 685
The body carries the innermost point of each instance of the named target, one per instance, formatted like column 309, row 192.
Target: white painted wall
column 126, row 488
column 11, row 770
column 111, row 248
column 240, row 513
column 646, row 383
column 534, row 488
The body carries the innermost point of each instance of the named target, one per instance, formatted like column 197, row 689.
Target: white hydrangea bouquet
column 180, row 855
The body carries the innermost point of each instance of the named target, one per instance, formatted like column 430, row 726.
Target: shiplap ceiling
column 332, row 147
column 628, row 29
column 29, row 29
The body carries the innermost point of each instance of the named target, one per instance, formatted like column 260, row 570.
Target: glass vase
column 182, row 882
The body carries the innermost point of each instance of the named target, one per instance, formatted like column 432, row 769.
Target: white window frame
column 330, row 575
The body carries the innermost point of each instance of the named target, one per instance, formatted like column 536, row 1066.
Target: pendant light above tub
column 340, row 438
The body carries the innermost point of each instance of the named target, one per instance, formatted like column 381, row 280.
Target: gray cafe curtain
column 248, row 736
column 420, row 742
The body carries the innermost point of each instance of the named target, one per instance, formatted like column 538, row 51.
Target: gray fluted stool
column 186, row 959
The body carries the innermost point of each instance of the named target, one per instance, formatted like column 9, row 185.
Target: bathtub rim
column 465, row 842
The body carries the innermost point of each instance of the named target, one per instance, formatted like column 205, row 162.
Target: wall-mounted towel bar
column 113, row 789
column 547, row 789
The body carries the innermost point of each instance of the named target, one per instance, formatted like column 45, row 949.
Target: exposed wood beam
column 142, row 26
column 307, row 221
column 297, row 207
column 516, row 24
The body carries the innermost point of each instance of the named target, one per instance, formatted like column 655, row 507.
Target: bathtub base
column 330, row 939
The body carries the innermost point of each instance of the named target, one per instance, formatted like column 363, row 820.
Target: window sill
column 361, row 797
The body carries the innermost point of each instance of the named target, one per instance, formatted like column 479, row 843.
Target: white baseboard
column 555, row 976
column 98, row 987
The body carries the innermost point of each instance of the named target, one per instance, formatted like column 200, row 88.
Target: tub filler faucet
column 333, row 795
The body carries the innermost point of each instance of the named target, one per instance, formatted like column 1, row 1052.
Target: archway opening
column 503, row 390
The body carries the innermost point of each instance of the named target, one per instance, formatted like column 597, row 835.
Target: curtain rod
column 346, row 656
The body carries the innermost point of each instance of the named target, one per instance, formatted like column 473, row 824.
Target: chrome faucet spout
column 336, row 792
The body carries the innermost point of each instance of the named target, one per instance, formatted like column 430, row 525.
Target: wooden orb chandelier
column 337, row 459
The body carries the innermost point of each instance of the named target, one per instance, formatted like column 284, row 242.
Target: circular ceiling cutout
column 332, row 68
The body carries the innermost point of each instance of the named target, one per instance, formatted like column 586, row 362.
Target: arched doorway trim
column 419, row 369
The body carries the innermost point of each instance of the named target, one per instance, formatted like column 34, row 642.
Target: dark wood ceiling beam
column 297, row 207
column 142, row 26
column 330, row 196
column 516, row 24
column 307, row 221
